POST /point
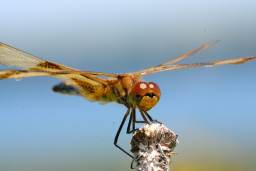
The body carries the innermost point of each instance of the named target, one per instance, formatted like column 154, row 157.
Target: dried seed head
column 152, row 146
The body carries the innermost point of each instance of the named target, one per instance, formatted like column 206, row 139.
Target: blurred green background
column 212, row 109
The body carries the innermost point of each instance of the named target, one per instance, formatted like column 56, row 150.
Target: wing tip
column 211, row 43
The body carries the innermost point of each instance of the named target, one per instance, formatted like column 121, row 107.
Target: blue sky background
column 212, row 109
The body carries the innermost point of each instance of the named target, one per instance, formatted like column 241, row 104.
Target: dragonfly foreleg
column 144, row 117
column 150, row 118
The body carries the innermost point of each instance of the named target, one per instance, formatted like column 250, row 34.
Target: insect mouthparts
column 150, row 94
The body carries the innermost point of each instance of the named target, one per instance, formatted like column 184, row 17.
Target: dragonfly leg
column 150, row 118
column 119, row 130
column 140, row 122
column 144, row 117
column 128, row 131
column 136, row 121
column 133, row 119
column 132, row 122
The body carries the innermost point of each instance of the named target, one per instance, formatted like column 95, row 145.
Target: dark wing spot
column 9, row 74
column 6, row 75
column 49, row 65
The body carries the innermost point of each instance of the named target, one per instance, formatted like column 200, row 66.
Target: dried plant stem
column 152, row 146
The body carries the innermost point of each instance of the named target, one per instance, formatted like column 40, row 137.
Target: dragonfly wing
column 172, row 64
column 89, row 84
column 178, row 59
column 191, row 52
column 163, row 67
column 11, row 56
column 19, row 74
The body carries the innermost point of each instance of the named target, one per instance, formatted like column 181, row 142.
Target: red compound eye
column 140, row 88
column 153, row 87
column 143, row 88
column 145, row 95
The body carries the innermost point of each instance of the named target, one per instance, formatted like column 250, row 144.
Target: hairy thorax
column 119, row 89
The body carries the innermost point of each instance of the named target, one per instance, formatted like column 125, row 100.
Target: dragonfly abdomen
column 65, row 89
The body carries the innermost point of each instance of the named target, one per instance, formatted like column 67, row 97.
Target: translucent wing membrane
column 171, row 64
column 191, row 52
column 196, row 65
column 88, row 83
column 18, row 74
column 11, row 56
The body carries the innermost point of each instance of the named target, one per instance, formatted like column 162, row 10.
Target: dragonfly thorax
column 145, row 95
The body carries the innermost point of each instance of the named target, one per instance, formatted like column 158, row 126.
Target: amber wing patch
column 50, row 65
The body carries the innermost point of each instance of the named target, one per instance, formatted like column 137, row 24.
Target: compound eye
column 145, row 95
column 140, row 89
column 154, row 87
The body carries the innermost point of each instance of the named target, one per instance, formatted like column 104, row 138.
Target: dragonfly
column 128, row 89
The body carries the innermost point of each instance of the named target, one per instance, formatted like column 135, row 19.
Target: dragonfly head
column 145, row 95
